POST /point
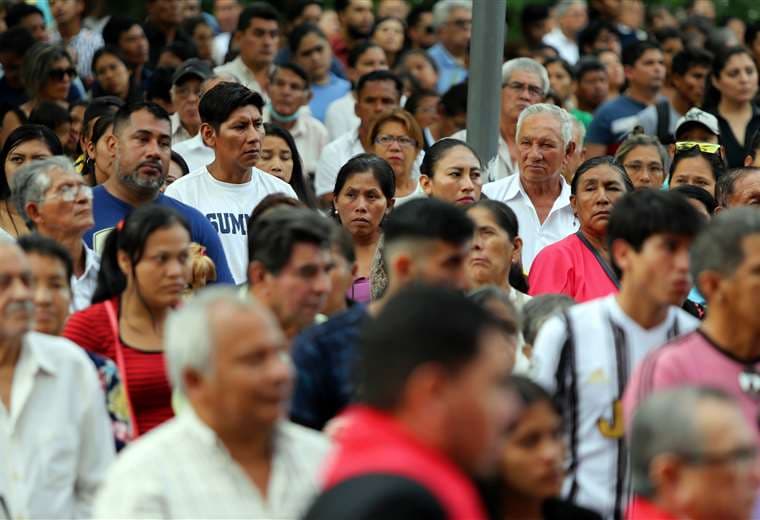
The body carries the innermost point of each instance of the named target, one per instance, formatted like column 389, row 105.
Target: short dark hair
column 565, row 65
column 380, row 75
column 409, row 332
column 184, row 50
column 49, row 114
column 691, row 57
column 639, row 215
column 668, row 33
column 271, row 201
column 363, row 163
column 177, row 158
column 532, row 14
column 99, row 107
column 122, row 116
column 16, row 40
column 116, row 26
column 190, row 24
column 454, row 100
column 588, row 64
column 699, row 194
column 413, row 101
column 107, row 50
column 635, row 50
column 750, row 34
column 20, row 135
column 261, row 10
column 217, row 104
column 275, row 233
column 34, row 243
column 300, row 32
column 437, row 152
column 726, row 185
column 604, row 160
column 588, row 35
column 428, row 219
column 19, row 11
column 295, row 69
column 415, row 14
column 359, row 49
column 160, row 84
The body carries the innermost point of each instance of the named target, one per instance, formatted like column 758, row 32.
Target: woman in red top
column 579, row 265
column 144, row 270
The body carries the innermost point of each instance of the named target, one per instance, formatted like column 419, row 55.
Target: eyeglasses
column 69, row 193
column 186, row 91
column 711, row 148
column 461, row 23
column 518, row 87
column 638, row 167
column 58, row 74
column 386, row 140
column 741, row 455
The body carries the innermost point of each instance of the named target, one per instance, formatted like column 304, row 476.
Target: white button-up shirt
column 196, row 154
column 341, row 116
column 56, row 441
column 310, row 136
column 182, row 470
column 560, row 223
column 245, row 75
column 179, row 134
column 84, row 287
column 500, row 168
column 567, row 47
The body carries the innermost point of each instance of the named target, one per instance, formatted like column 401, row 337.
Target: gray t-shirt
column 648, row 119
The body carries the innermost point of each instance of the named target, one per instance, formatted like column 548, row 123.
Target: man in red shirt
column 433, row 376
column 693, row 455
column 356, row 21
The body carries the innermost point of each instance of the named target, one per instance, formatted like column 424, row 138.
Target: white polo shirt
column 196, row 154
column 309, row 134
column 241, row 71
column 560, row 223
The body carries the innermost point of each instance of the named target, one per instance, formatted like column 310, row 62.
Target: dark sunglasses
column 58, row 74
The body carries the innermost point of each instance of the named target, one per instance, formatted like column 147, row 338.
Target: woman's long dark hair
column 130, row 236
column 20, row 135
column 297, row 181
column 134, row 93
column 507, row 220
column 98, row 131
column 438, row 151
column 712, row 94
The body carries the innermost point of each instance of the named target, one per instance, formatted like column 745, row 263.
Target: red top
column 642, row 509
column 569, row 267
column 373, row 442
column 148, row 385
column 340, row 49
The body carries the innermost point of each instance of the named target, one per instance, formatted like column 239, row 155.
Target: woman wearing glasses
column 62, row 212
column 697, row 164
column 731, row 91
column 47, row 74
column 396, row 137
column 643, row 158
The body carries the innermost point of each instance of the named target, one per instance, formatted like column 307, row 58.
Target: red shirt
column 642, row 509
column 340, row 49
column 373, row 442
column 148, row 385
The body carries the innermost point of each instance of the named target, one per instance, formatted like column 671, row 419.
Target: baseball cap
column 192, row 67
column 700, row 117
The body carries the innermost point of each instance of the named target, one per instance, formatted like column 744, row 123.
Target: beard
column 357, row 33
column 135, row 180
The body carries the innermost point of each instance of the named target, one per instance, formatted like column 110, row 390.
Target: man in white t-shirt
column 227, row 190
column 587, row 355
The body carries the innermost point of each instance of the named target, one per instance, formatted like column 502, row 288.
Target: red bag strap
column 111, row 311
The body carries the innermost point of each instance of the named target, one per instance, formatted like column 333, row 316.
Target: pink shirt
column 693, row 359
column 570, row 267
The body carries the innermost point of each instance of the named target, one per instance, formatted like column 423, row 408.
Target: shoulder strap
column 568, row 399
column 663, row 120
column 114, row 321
column 608, row 270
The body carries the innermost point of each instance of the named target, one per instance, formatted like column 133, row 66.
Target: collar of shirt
column 515, row 188
column 31, row 361
column 91, row 263
column 179, row 133
column 444, row 55
column 245, row 75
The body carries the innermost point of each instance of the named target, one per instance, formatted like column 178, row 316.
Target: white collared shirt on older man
column 56, row 441
column 502, row 165
column 184, row 471
column 309, row 134
column 83, row 287
column 244, row 75
column 560, row 223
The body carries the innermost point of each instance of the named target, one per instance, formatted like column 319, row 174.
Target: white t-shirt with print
column 227, row 207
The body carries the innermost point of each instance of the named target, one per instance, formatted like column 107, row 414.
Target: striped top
column 148, row 385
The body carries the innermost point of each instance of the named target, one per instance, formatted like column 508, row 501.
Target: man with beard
column 140, row 147
column 55, row 437
column 356, row 21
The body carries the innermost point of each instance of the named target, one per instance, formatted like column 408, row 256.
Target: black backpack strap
column 568, row 399
column 663, row 121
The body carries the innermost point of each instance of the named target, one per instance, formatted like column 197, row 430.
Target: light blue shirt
column 326, row 94
column 449, row 71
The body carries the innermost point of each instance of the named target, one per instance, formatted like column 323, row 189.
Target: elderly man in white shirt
column 524, row 82
column 539, row 195
column 56, row 203
column 186, row 94
column 231, row 453
column 572, row 17
column 55, row 437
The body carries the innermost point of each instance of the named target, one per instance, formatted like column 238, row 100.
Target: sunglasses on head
column 58, row 74
column 703, row 147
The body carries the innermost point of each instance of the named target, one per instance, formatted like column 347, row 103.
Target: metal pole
column 484, row 83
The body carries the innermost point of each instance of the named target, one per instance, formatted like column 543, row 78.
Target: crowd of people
column 250, row 266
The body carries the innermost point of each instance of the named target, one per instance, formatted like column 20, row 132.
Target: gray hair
column 719, row 247
column 38, row 62
column 527, row 65
column 726, row 184
column 666, row 423
column 442, row 10
column 488, row 293
column 636, row 139
column 188, row 334
column 564, row 5
column 538, row 310
column 32, row 180
column 579, row 133
column 560, row 114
